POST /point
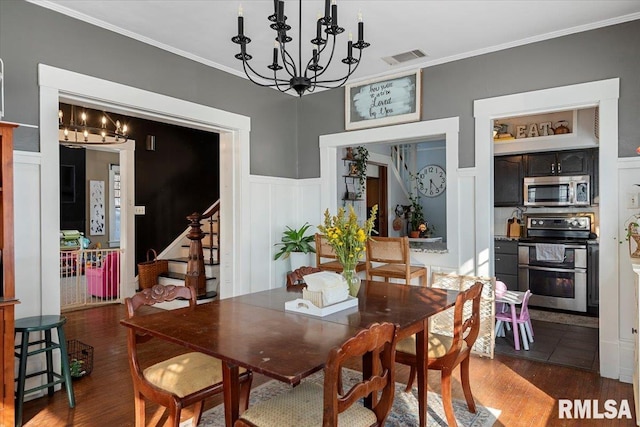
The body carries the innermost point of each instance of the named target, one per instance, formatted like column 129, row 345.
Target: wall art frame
column 384, row 101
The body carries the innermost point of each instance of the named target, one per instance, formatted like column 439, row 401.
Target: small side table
column 39, row 324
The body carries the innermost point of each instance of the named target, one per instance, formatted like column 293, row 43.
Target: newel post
column 195, row 262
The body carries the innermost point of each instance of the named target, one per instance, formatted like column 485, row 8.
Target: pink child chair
column 104, row 281
column 522, row 319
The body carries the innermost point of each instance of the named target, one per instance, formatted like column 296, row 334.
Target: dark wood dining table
column 255, row 332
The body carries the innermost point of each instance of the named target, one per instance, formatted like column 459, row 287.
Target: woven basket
column 314, row 298
column 149, row 270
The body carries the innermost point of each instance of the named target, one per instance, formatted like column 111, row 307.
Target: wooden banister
column 195, row 275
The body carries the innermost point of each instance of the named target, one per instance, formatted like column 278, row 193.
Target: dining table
column 254, row 331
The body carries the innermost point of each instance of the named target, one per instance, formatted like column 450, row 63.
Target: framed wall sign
column 379, row 102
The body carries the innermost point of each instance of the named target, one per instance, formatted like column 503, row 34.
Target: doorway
column 377, row 195
column 58, row 85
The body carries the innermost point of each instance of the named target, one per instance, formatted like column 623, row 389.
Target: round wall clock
column 433, row 180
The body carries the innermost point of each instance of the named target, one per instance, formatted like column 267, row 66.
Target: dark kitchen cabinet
column 508, row 176
column 570, row 162
column 506, row 262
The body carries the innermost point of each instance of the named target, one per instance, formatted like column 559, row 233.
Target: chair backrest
column 150, row 296
column 379, row 341
column 295, row 278
column 157, row 294
column 466, row 324
column 524, row 308
column 388, row 250
column 111, row 265
column 323, row 249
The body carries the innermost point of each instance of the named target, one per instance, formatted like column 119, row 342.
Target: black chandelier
column 79, row 132
column 307, row 79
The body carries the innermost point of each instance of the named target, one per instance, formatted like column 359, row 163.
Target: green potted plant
column 359, row 166
column 417, row 216
column 296, row 245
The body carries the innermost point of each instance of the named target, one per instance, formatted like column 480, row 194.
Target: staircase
column 194, row 258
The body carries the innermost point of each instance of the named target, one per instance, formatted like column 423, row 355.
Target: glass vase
column 353, row 280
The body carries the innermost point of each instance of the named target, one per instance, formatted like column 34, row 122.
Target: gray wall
column 285, row 130
column 30, row 34
column 450, row 89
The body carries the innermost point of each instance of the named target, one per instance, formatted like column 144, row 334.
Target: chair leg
column 529, row 330
column 466, row 386
column 245, row 392
column 197, row 412
column 523, row 334
column 447, row 404
column 412, row 378
column 174, row 416
column 139, row 404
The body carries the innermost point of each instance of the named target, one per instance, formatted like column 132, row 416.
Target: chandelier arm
column 290, row 63
column 246, row 65
column 343, row 79
column 326, row 66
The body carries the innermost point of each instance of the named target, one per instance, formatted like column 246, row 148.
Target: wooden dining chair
column 326, row 257
column 447, row 352
column 395, row 258
column 182, row 380
column 308, row 403
column 295, row 279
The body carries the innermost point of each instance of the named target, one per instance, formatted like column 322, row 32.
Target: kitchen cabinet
column 7, row 275
column 569, row 162
column 508, row 180
column 506, row 262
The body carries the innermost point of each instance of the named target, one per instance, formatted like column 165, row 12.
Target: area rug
column 564, row 318
column 404, row 412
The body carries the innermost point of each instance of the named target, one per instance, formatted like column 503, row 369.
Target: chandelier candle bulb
column 334, row 14
column 84, row 118
column 60, row 116
column 280, row 11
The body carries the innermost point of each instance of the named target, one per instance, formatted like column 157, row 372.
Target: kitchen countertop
column 429, row 247
column 503, row 238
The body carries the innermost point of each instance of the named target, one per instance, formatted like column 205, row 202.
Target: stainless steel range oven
column 552, row 261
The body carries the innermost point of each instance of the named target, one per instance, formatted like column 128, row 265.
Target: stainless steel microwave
column 557, row 190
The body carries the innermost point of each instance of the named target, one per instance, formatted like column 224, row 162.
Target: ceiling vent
column 404, row 57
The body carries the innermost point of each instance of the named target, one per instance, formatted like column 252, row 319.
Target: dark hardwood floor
column 526, row 391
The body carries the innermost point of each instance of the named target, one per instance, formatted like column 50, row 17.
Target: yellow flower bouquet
column 348, row 240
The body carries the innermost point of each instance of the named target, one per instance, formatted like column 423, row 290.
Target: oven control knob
column 574, row 223
column 534, row 222
column 540, row 222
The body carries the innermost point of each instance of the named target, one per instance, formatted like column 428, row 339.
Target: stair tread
column 185, row 259
column 204, row 246
column 207, row 295
column 179, row 276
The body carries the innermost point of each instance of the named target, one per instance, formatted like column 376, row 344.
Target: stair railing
column 195, row 275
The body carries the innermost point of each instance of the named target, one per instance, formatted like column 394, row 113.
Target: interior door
column 377, row 194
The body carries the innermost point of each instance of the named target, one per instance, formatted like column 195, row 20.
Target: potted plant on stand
column 296, row 246
column 417, row 216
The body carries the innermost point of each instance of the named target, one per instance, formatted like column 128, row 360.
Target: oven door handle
column 566, row 246
column 559, row 270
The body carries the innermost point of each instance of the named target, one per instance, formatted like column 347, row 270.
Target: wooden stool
column 42, row 324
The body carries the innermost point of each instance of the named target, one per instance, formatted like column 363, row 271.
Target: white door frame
column 234, row 129
column 605, row 94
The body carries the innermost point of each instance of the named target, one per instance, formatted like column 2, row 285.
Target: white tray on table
column 304, row 306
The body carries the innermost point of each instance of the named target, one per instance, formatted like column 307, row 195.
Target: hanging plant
column 360, row 168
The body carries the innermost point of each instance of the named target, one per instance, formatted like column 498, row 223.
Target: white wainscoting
column 275, row 204
column 628, row 177
column 27, row 213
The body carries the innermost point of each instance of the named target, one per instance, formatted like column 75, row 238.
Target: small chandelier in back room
column 78, row 131
column 297, row 78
